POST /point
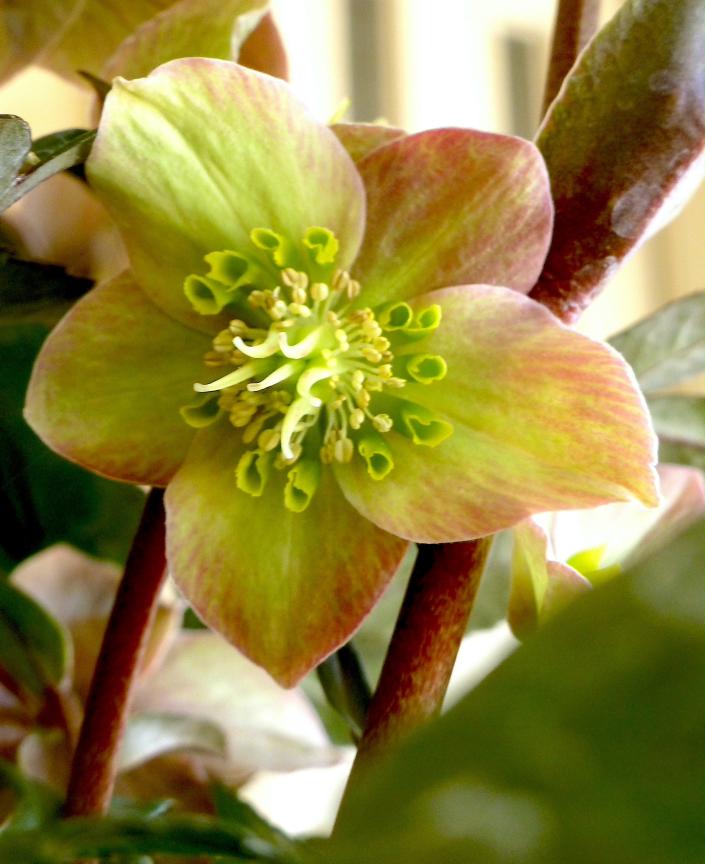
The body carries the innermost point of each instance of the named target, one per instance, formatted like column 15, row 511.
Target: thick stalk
column 576, row 23
column 95, row 759
column 431, row 623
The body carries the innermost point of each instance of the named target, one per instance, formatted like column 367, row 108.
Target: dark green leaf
column 668, row 347
column 15, row 143
column 37, row 291
column 625, row 128
column 34, row 803
column 43, row 498
column 34, row 647
column 344, row 683
column 680, row 424
column 186, row 835
column 238, row 814
column 585, row 746
column 55, row 153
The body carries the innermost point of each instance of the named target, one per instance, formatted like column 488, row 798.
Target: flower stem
column 431, row 623
column 576, row 22
column 95, row 760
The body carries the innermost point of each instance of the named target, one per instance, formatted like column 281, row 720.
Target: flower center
column 313, row 375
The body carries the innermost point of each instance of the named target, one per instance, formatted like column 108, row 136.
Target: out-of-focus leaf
column 73, row 839
column 231, row 809
column 680, row 424
column 344, row 683
column 35, row 803
column 189, row 28
column 668, row 347
column 623, row 131
column 265, row 726
column 37, row 291
column 153, row 734
column 43, row 498
column 60, row 151
column 586, row 745
column 15, row 144
column 34, row 647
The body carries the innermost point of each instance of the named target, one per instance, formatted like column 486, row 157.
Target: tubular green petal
column 207, row 296
column 252, row 472
column 301, row 485
column 322, row 245
column 451, row 207
column 377, row 453
column 201, row 411
column 109, row 381
column 426, row 368
column 200, row 153
column 543, row 419
column 285, row 588
column 394, row 316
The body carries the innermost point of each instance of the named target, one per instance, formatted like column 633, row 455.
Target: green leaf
column 38, row 291
column 43, row 498
column 668, row 347
column 186, row 835
column 15, row 143
column 343, row 680
column 581, row 747
column 35, row 647
column 34, row 803
column 56, row 152
column 680, row 424
column 622, row 132
column 238, row 814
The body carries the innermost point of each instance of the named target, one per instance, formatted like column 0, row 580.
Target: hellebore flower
column 560, row 555
column 315, row 357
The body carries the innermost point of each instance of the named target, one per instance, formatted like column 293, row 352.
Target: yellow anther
column 268, row 439
column 396, row 383
column 385, row 371
column 357, row 418
column 352, row 289
column 371, row 354
column 362, row 397
column 381, row 343
column 320, row 291
column 298, row 295
column 299, row 309
column 357, row 379
column 343, row 450
column 342, row 339
column 212, row 358
column 341, row 280
column 332, row 318
column 382, row 422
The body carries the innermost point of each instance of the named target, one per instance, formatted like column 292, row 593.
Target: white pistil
column 237, row 377
column 300, row 349
column 280, row 374
column 266, row 348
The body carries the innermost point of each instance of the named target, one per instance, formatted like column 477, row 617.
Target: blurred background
column 419, row 64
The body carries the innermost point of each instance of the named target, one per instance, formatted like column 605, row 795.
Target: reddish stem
column 95, row 760
column 431, row 623
column 576, row 23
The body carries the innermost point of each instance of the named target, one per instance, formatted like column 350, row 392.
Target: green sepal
column 208, row 296
column 202, row 411
column 253, row 471
column 301, row 485
column 377, row 453
column 420, row 424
